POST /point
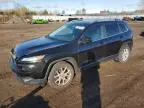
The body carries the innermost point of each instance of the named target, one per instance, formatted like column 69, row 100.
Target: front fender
column 70, row 60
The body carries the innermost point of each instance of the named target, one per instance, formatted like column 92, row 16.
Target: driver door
column 91, row 48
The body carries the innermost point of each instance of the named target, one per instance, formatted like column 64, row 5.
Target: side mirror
column 85, row 40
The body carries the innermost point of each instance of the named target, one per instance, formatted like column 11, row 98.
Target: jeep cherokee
column 77, row 45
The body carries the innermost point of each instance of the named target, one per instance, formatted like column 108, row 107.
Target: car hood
column 36, row 45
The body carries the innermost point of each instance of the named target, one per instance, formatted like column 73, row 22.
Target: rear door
column 112, row 38
column 94, row 50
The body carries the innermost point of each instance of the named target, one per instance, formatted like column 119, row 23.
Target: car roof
column 87, row 22
column 82, row 22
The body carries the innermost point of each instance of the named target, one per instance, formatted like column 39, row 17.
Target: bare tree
column 78, row 12
column 63, row 12
column 83, row 11
column 45, row 12
column 142, row 5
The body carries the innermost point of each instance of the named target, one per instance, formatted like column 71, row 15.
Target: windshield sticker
column 80, row 27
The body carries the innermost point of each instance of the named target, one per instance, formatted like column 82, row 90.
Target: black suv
column 57, row 57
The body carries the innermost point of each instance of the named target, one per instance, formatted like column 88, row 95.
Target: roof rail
column 92, row 20
column 100, row 19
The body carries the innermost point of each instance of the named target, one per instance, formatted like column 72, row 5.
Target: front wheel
column 61, row 75
column 123, row 54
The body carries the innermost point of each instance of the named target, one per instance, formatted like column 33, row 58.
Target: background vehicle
column 127, row 19
column 139, row 18
column 77, row 45
column 39, row 21
column 71, row 19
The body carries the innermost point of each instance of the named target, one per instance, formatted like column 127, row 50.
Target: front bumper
column 29, row 73
column 31, row 81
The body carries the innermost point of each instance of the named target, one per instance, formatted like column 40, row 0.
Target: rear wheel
column 61, row 75
column 123, row 54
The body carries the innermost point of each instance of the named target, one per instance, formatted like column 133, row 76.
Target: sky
column 70, row 6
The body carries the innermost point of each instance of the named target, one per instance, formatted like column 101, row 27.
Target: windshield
column 67, row 32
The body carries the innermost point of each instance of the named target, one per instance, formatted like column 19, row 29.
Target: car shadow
column 28, row 101
column 142, row 34
column 90, row 93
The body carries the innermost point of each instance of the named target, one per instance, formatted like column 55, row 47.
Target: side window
column 94, row 32
column 123, row 27
column 111, row 29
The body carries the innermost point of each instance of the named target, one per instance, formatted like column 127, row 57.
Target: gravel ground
column 112, row 85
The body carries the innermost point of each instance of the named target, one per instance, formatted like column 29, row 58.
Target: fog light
column 27, row 79
column 31, row 66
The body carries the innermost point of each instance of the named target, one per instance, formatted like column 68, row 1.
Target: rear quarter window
column 111, row 29
column 123, row 27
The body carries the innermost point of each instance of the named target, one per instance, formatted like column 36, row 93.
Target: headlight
column 33, row 59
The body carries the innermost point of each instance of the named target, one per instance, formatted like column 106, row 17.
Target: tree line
column 22, row 11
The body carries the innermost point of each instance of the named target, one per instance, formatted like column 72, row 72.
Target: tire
column 123, row 54
column 56, row 77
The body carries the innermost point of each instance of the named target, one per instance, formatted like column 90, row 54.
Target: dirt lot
column 113, row 85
